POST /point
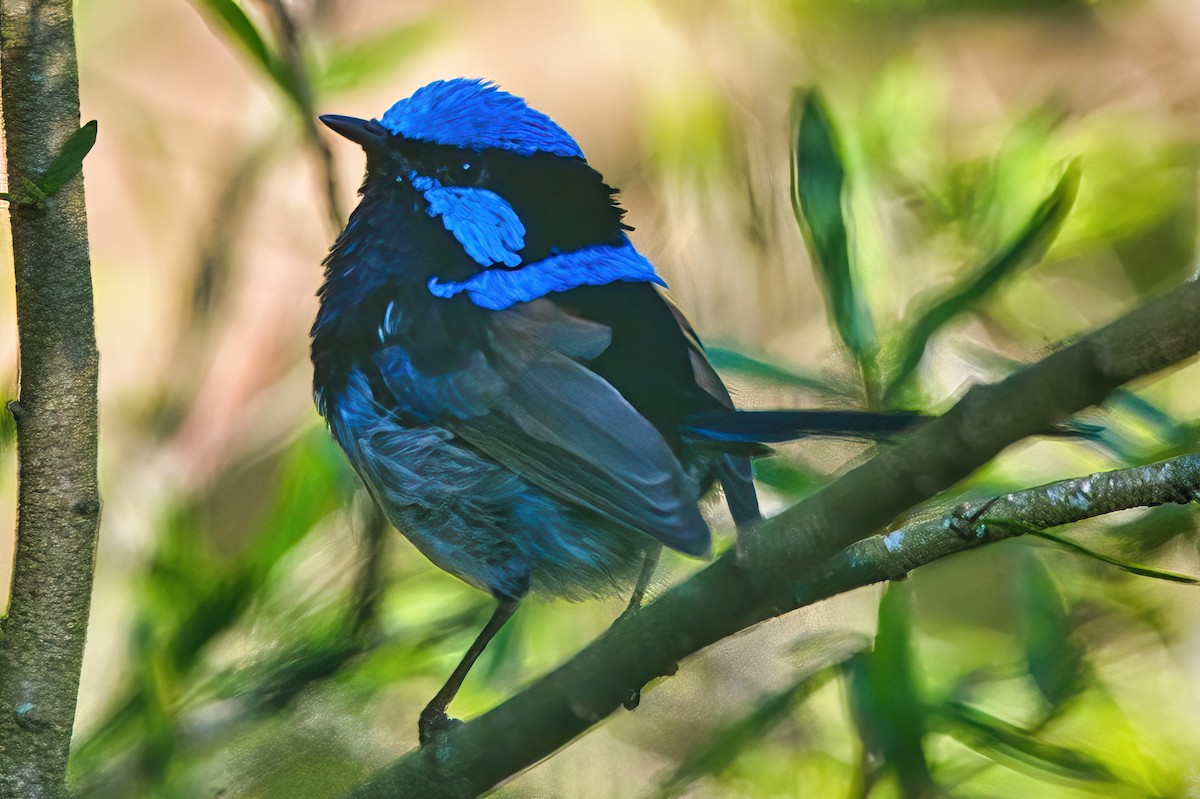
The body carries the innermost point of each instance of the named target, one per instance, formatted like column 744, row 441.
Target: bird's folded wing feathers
column 530, row 406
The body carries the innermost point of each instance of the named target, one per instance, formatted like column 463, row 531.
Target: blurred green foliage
column 1037, row 235
column 281, row 637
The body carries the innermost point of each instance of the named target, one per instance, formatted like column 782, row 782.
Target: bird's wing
column 733, row 469
column 528, row 401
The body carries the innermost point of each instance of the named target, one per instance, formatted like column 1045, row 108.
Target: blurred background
column 258, row 632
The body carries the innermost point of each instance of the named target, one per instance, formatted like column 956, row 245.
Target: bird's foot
column 433, row 723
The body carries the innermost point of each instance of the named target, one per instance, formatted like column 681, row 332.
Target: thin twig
column 302, row 96
column 894, row 554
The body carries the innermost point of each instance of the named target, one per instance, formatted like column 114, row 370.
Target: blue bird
column 502, row 369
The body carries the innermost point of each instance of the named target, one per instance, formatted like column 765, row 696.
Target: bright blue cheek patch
column 497, row 289
column 485, row 225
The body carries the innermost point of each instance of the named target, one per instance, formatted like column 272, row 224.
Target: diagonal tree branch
column 58, row 500
column 780, row 568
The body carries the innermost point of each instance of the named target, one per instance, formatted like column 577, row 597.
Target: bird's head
column 445, row 126
column 497, row 186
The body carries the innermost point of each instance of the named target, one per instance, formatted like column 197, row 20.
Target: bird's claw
column 433, row 723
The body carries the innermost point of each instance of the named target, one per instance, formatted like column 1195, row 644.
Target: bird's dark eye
column 466, row 165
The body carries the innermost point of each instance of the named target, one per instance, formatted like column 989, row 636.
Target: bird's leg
column 643, row 580
column 635, row 602
column 433, row 718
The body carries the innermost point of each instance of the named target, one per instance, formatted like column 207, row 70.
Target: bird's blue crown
column 475, row 114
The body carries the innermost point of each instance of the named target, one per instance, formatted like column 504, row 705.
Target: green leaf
column 886, row 704
column 818, row 187
column 8, row 422
column 313, row 482
column 66, row 165
column 723, row 746
column 232, row 18
column 725, row 359
column 1132, row 568
column 375, row 57
column 1027, row 246
column 1163, row 425
column 1053, row 655
column 1001, row 740
column 69, row 161
column 788, row 478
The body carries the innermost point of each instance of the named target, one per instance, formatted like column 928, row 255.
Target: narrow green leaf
column 788, row 478
column 157, row 691
column 999, row 739
column 313, row 481
column 719, row 751
column 273, row 684
column 1054, row 657
column 1028, row 246
column 726, row 359
column 886, row 703
column 8, row 422
column 374, row 58
column 232, row 18
column 69, row 161
column 1163, row 425
column 1132, row 568
column 818, row 187
column 1077, row 428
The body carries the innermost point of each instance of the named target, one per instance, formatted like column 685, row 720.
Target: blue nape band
column 599, row 265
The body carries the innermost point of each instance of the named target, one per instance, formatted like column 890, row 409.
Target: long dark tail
column 742, row 435
column 730, row 427
column 773, row 427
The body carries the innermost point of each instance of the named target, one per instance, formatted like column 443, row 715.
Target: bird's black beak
column 366, row 132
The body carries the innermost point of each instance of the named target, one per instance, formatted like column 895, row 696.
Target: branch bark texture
column 56, row 416
column 782, row 565
column 885, row 556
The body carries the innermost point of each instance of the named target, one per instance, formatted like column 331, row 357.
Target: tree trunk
column 56, row 417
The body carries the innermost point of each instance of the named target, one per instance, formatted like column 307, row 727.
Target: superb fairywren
column 503, row 371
